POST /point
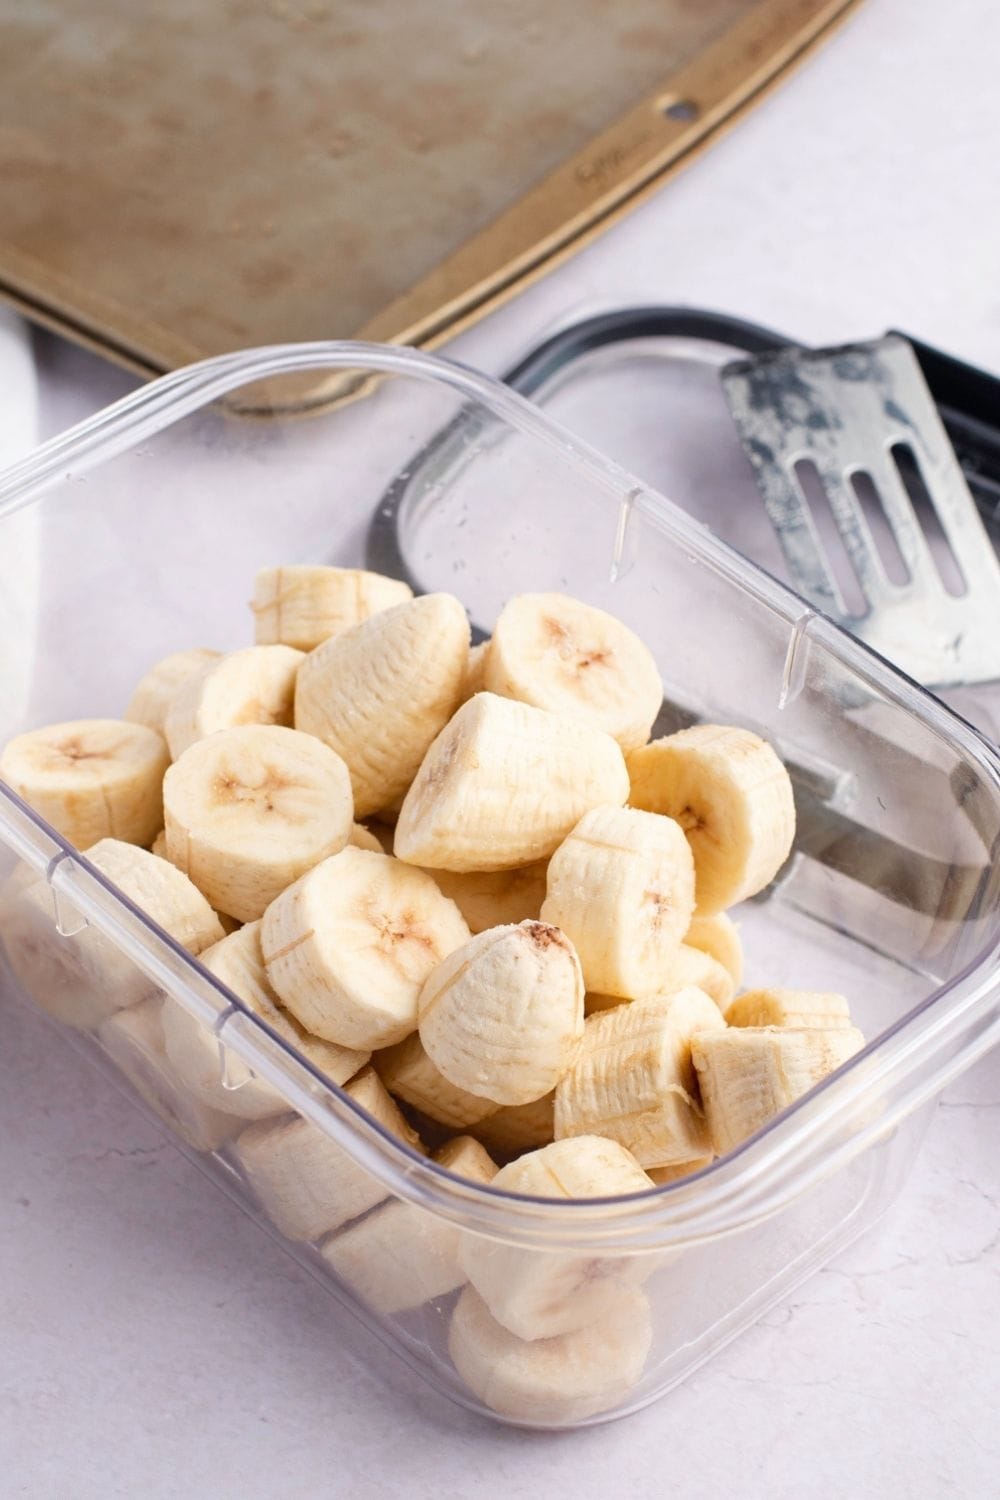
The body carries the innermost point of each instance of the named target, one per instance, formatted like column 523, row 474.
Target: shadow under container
column 139, row 532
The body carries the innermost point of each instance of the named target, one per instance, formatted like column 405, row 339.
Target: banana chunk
column 408, row 1072
column 663, row 1175
column 307, row 1184
column 733, row 798
column 91, row 778
column 379, row 693
column 474, row 676
column 503, row 784
column 401, row 1255
column 687, row 966
column 502, row 1016
column 212, row 1071
column 557, row 653
column 540, row 1294
column 750, row 1074
column 797, row 1008
column 552, row 1380
column 634, row 1080
column 252, row 686
column 348, row 947
column 249, row 810
column 303, row 605
column 518, row 1128
column 155, row 691
column 495, row 898
column 621, row 886
column 361, row 838
column 719, row 937
column 133, row 1039
column 84, row 978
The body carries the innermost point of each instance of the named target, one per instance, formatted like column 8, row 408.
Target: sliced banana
column 303, row 605
column 361, row 839
column 503, row 784
column 155, row 691
column 249, row 810
column 379, row 693
column 495, row 898
column 133, row 1039
column 307, row 1184
column 349, row 946
column 91, row 778
column 552, row 1381
column 82, row 978
column 474, row 676
column 408, row 1072
column 252, row 686
column 621, row 886
column 541, row 1294
column 502, row 1016
column 750, row 1074
column 686, row 966
column 634, row 1081
column 733, row 798
column 401, row 1255
column 557, row 653
column 521, row 1127
column 211, row 1070
column 719, row 937
column 797, row 1008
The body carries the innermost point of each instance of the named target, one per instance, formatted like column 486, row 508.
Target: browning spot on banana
column 545, row 936
column 73, row 750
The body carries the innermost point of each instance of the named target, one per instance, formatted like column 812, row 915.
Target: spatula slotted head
column 877, row 524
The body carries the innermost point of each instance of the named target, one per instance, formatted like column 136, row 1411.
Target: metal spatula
column 877, row 524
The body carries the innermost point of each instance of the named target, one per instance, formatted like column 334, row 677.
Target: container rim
column 862, row 1102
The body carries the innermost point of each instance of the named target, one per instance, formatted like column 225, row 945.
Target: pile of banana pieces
column 469, row 889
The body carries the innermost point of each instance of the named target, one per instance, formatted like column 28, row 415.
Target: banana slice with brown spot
column 303, row 605
column 249, row 810
column 502, row 786
column 557, row 653
column 91, row 778
column 502, row 1016
column 733, row 798
column 348, row 947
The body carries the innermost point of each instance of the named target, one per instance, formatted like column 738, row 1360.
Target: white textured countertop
column 154, row 1344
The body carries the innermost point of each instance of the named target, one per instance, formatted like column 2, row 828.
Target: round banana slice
column 733, row 798
column 408, row 1072
column 552, row 1381
column 252, row 686
column 798, row 1008
column 78, row 975
column 307, row 1184
column 91, row 778
column 348, row 947
column 211, row 1070
column 155, row 691
column 503, row 784
column 557, row 653
column 541, row 1294
column 379, row 693
column 249, row 810
column 621, row 886
column 719, row 937
column 303, row 605
column 495, row 898
column 634, row 1082
column 502, row 1016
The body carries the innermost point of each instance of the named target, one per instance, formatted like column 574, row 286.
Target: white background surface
column 154, row 1344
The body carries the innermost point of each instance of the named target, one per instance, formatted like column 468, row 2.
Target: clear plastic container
column 139, row 532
